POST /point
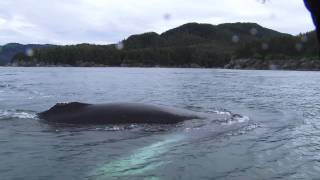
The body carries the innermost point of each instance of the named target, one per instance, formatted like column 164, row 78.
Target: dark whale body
column 114, row 113
column 314, row 7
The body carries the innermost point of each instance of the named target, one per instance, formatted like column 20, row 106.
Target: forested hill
column 8, row 51
column 191, row 44
column 205, row 34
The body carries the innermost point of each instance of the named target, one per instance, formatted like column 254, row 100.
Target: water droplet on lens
column 29, row 52
column 253, row 31
column 262, row 1
column 167, row 16
column 120, row 45
column 235, row 38
column 304, row 38
column 265, row 46
column 299, row 46
column 272, row 16
column 273, row 67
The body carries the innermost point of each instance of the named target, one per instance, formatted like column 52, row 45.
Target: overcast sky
column 109, row 21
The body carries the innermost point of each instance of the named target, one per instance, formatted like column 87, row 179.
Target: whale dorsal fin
column 62, row 108
column 70, row 106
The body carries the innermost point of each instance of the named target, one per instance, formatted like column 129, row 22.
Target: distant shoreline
column 275, row 64
column 190, row 45
column 237, row 64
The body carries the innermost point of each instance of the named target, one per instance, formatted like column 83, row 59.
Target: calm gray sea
column 280, row 139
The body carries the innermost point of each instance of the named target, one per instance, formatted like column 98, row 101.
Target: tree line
column 189, row 45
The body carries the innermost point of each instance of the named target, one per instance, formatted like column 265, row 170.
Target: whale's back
column 114, row 113
column 62, row 108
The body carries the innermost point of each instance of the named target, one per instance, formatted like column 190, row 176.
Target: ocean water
column 271, row 128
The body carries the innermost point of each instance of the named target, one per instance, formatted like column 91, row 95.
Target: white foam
column 223, row 113
column 237, row 119
column 242, row 119
column 114, row 128
column 16, row 114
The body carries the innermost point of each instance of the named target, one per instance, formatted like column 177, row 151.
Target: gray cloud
column 109, row 21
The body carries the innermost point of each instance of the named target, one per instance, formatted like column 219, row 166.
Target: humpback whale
column 149, row 158
column 115, row 113
column 146, row 158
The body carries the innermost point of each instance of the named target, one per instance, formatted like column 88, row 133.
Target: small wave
column 9, row 114
column 227, row 117
column 116, row 128
column 4, row 85
column 143, row 128
column 8, row 74
column 244, row 130
column 220, row 122
column 236, row 118
column 223, row 113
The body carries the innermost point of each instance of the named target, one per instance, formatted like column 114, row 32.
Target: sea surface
column 271, row 128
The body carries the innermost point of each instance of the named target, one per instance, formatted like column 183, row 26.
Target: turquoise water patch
column 139, row 162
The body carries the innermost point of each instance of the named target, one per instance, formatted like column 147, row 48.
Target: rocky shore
column 252, row 64
column 259, row 64
column 92, row 64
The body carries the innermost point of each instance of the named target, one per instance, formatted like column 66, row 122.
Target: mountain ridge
column 201, row 44
column 197, row 33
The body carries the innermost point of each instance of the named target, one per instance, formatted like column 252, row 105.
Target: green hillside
column 8, row 51
column 191, row 44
